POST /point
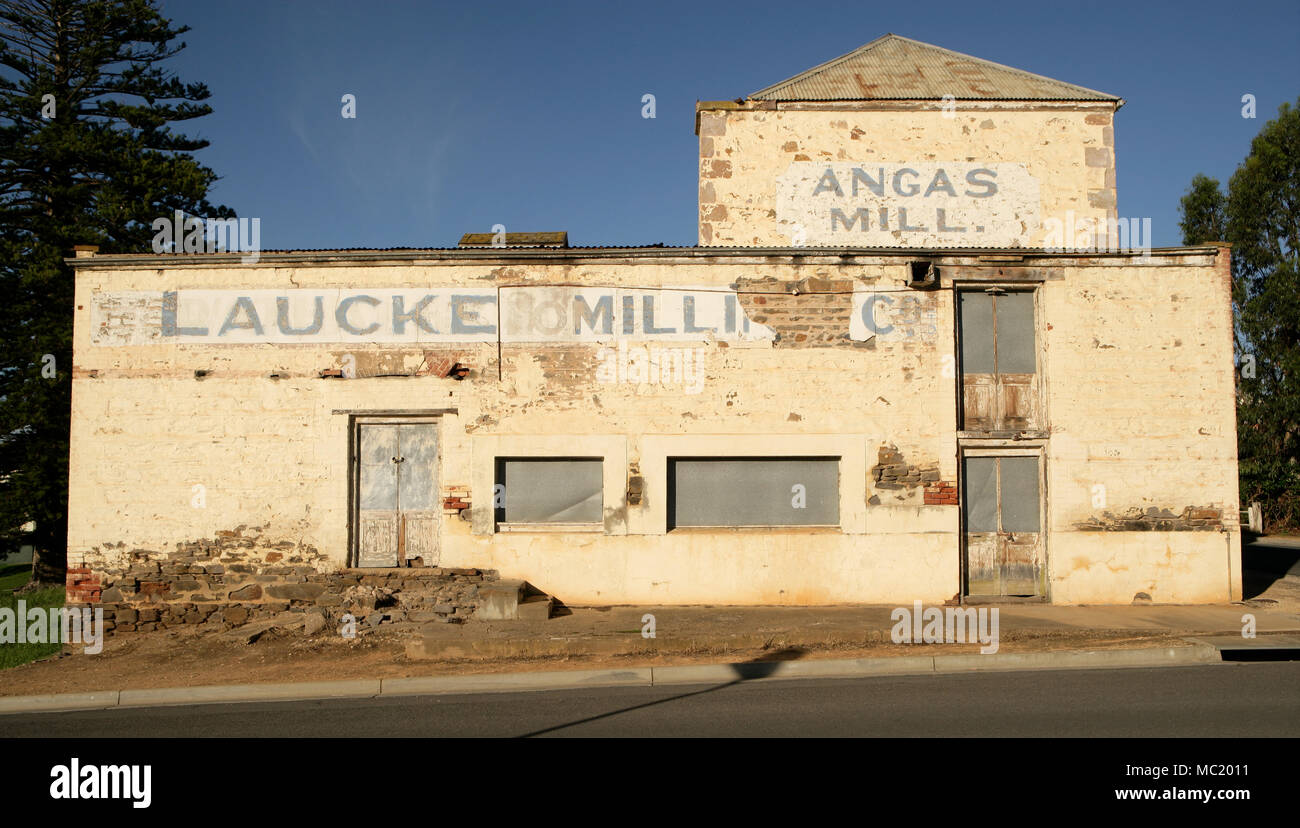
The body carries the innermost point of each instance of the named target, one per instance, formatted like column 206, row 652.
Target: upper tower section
column 904, row 144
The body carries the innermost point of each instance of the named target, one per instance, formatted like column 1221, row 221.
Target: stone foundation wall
column 222, row 585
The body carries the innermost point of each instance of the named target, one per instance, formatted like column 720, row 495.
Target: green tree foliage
column 1260, row 217
column 1203, row 212
column 87, row 156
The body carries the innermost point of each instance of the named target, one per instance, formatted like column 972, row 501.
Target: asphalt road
column 1217, row 700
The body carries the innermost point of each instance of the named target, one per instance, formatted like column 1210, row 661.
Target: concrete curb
column 513, row 682
column 923, row 665
column 1148, row 657
column 250, row 692
column 100, row 700
column 822, row 668
column 630, row 677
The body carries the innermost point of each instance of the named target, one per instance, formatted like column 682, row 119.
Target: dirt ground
column 182, row 658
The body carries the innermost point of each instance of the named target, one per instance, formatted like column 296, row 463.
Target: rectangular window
column 549, row 490
column 753, row 491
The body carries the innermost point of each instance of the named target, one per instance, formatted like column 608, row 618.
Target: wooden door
column 999, row 357
column 417, row 494
column 397, row 515
column 1002, row 513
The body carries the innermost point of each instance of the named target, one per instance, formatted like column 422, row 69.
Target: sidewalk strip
column 629, row 677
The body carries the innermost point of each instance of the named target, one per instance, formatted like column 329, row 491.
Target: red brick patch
column 82, row 586
column 941, row 493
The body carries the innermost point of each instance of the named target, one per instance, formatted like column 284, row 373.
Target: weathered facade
column 800, row 410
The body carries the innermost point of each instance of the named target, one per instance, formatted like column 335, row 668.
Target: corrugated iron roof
column 382, row 254
column 899, row 68
column 558, row 238
column 512, row 246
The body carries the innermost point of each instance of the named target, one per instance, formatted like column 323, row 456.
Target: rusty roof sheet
column 899, row 68
column 555, row 239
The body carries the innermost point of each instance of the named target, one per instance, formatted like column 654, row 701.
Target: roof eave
column 116, row 261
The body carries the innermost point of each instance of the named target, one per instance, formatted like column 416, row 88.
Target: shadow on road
column 761, row 667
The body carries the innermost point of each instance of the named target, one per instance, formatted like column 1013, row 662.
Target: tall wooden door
column 998, row 361
column 397, row 515
column 1003, row 526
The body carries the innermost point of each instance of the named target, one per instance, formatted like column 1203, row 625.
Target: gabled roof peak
column 893, row 67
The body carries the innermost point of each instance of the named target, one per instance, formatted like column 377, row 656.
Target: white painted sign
column 946, row 204
column 419, row 315
column 893, row 317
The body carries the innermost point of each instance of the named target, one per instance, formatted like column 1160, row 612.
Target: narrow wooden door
column 1003, row 527
column 397, row 515
column 998, row 361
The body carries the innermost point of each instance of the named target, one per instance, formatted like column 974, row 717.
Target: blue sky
column 529, row 114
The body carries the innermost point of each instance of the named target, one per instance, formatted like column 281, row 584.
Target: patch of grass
column 12, row 653
column 13, row 576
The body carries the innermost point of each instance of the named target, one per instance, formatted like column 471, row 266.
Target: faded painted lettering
column 908, row 205
column 428, row 315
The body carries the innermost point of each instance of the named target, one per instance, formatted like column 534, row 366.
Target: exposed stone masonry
column 893, row 472
column 1192, row 519
column 813, row 313
column 237, row 578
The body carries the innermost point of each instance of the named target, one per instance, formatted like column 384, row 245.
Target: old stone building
column 907, row 360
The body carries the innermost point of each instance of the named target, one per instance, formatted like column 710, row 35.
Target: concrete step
column 536, row 608
column 511, row 600
column 499, row 600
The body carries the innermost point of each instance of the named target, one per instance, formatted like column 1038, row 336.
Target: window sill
column 819, row 529
column 551, row 528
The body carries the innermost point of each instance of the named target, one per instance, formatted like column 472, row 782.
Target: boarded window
column 999, row 358
column 549, row 490
column 981, row 494
column 977, row 333
column 1015, row 326
column 1020, row 494
column 754, row 491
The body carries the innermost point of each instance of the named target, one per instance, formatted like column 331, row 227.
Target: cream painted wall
column 1141, row 398
column 272, row 452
